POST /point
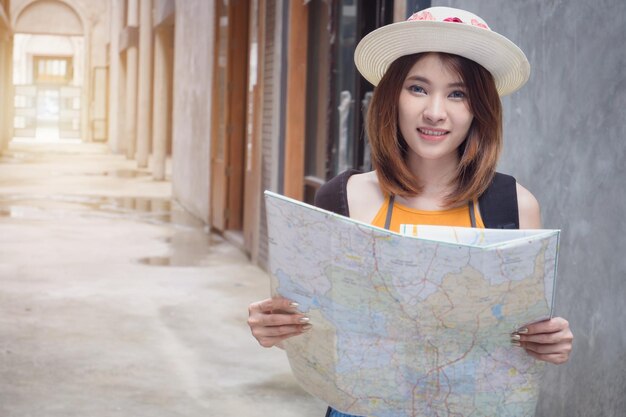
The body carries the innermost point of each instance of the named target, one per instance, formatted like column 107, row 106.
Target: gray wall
column 565, row 141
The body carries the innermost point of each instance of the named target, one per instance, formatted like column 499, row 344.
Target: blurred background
column 214, row 101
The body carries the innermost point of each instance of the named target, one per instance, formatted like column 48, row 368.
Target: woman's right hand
column 276, row 319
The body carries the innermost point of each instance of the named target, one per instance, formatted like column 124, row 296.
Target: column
column 130, row 128
column 160, row 115
column 144, row 122
column 114, row 134
column 86, row 92
column 295, row 119
column 9, row 91
column 4, row 75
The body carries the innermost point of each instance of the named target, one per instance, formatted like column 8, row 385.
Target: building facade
column 269, row 99
column 246, row 96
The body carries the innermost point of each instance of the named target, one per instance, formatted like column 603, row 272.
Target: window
column 52, row 70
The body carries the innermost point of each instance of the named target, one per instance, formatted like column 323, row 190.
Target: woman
column 435, row 130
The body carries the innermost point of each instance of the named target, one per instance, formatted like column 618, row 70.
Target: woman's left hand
column 549, row 340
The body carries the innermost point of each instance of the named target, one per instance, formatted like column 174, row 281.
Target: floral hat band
column 449, row 30
column 427, row 15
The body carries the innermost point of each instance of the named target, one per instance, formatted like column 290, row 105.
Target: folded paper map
column 413, row 324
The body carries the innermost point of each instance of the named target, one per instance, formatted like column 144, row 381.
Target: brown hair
column 479, row 152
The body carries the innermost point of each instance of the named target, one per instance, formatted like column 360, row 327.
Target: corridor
column 115, row 302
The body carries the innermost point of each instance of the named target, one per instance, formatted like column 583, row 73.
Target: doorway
column 230, row 84
column 48, row 87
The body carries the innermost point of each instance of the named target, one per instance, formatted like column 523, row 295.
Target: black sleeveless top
column 498, row 204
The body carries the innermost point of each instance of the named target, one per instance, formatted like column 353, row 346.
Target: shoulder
column 332, row 196
column 507, row 204
column 528, row 208
column 498, row 204
column 353, row 194
column 364, row 196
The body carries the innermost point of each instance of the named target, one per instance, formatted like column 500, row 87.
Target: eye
column 459, row 95
column 416, row 89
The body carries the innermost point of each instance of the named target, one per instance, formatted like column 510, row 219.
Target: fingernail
column 516, row 343
column 306, row 327
column 303, row 320
column 522, row 330
column 515, row 336
column 294, row 304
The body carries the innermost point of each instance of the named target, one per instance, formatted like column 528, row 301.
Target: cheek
column 404, row 125
column 468, row 116
column 468, row 122
column 405, row 119
column 465, row 119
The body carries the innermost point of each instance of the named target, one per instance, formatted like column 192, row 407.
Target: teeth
column 432, row 132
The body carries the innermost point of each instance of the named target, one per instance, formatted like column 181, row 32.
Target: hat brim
column 498, row 55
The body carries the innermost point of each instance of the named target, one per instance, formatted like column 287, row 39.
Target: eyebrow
column 426, row 81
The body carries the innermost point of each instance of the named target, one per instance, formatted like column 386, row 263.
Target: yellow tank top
column 459, row 216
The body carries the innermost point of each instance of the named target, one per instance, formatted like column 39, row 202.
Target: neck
column 434, row 175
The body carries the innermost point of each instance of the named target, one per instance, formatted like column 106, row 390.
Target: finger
column 546, row 338
column 275, row 332
column 280, row 331
column 282, row 319
column 285, row 305
column 269, row 341
column 547, row 326
column 263, row 306
column 270, row 304
column 547, row 349
column 555, row 358
column 258, row 321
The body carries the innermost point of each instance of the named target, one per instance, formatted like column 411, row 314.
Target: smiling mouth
column 429, row 132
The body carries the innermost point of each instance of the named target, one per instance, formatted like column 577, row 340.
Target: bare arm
column 528, row 208
column 364, row 196
column 549, row 340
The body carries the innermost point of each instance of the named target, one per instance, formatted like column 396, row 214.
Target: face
column 433, row 112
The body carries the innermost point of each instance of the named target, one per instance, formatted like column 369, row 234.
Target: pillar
column 7, row 98
column 295, row 120
column 160, row 116
column 144, row 122
column 114, row 77
column 86, row 92
column 130, row 127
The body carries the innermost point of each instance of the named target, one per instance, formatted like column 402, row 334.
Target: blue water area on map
column 295, row 292
column 462, row 375
column 315, row 302
column 497, row 311
column 357, row 331
column 353, row 320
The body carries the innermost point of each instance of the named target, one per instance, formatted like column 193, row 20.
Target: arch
column 34, row 17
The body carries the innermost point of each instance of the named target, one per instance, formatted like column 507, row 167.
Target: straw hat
column 444, row 29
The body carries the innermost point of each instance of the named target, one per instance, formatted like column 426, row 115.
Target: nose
column 435, row 110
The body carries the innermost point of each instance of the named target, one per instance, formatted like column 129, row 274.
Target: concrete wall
column 564, row 140
column 193, row 75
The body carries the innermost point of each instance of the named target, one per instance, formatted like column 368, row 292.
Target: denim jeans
column 334, row 413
